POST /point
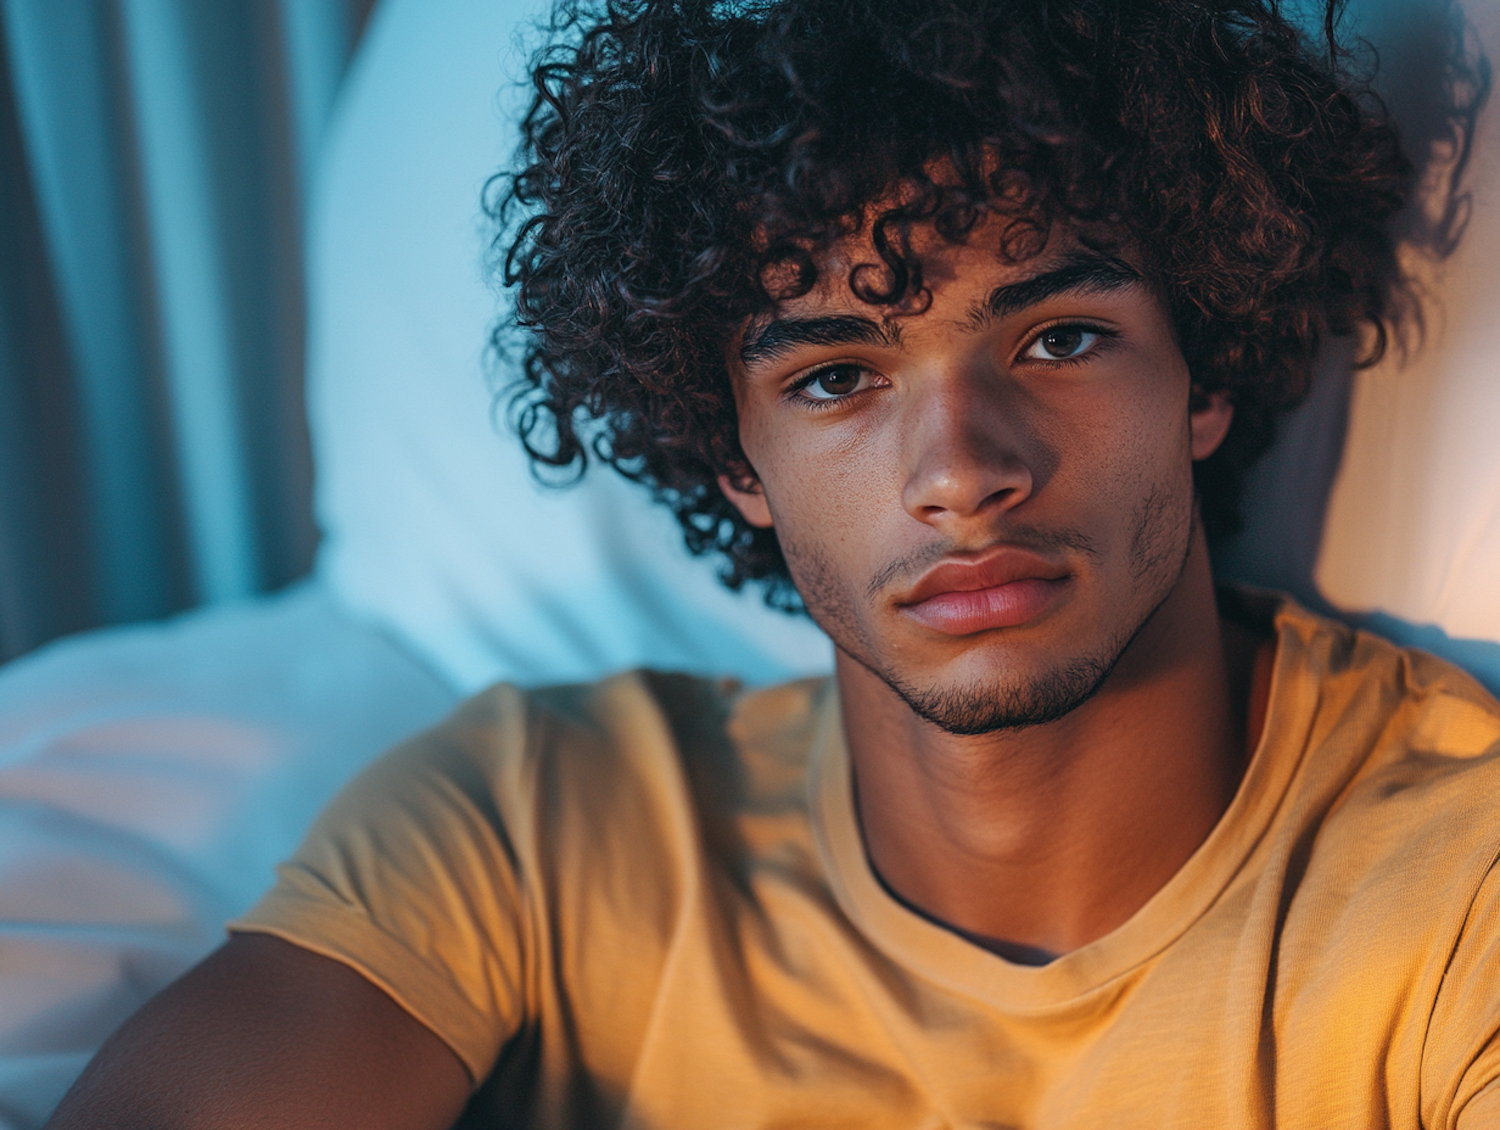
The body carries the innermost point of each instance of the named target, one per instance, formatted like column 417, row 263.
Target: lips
column 1003, row 589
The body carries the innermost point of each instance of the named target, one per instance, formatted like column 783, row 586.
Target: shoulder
column 633, row 766
column 1390, row 887
column 1384, row 703
column 1400, row 764
column 637, row 723
column 535, row 835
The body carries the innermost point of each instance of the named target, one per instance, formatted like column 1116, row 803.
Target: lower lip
column 981, row 610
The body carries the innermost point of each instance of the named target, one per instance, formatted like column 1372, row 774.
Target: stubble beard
column 1159, row 552
column 989, row 709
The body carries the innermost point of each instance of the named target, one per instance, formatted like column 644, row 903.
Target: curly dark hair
column 679, row 154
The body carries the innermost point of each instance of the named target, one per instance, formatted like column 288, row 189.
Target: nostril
column 966, row 489
column 999, row 497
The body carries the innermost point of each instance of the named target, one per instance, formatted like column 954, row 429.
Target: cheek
column 827, row 594
column 1131, row 453
column 1156, row 503
column 824, row 485
column 831, row 494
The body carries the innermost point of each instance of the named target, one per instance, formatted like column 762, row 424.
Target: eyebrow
column 1086, row 273
column 781, row 335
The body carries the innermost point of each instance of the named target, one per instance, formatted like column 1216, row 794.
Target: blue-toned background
column 153, row 157
column 154, row 170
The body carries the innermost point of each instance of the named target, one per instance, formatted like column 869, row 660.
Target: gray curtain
column 153, row 160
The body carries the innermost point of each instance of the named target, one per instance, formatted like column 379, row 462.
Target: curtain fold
column 153, row 161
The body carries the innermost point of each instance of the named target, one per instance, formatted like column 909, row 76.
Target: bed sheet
column 150, row 778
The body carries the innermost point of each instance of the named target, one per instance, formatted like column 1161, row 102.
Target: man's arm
column 266, row 1034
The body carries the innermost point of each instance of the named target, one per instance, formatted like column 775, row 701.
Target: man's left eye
column 833, row 383
column 1062, row 343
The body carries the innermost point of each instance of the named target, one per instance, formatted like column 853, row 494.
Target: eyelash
column 819, row 404
column 1104, row 333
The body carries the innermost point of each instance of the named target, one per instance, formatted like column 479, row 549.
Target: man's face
column 981, row 503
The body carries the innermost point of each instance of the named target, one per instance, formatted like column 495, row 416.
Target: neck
column 1037, row 841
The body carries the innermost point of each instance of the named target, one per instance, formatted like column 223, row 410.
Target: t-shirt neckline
column 941, row 956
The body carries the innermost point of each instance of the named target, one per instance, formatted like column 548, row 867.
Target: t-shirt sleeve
column 1461, row 1062
column 409, row 877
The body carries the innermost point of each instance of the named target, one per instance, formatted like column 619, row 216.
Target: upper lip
column 994, row 567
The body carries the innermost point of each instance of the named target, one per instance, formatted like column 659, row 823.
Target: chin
column 987, row 707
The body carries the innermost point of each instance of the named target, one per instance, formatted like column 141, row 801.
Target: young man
column 955, row 323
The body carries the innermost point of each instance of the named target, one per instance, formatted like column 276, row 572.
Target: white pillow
column 1407, row 540
column 150, row 778
column 433, row 527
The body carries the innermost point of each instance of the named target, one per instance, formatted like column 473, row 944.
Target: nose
column 966, row 450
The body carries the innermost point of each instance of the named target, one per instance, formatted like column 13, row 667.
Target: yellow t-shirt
column 645, row 903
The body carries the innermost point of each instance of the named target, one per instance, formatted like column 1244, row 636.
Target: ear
column 750, row 503
column 1209, row 421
